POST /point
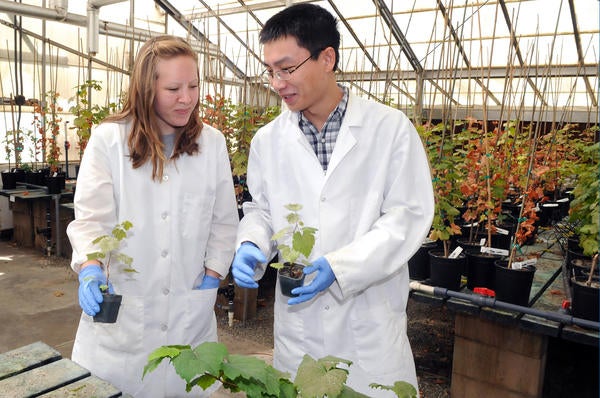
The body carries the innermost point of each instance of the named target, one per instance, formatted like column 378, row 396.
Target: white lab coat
column 180, row 225
column 372, row 208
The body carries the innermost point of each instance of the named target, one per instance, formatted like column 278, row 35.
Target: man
column 360, row 172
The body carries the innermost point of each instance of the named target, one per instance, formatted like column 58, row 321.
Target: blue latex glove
column 209, row 282
column 322, row 281
column 244, row 262
column 90, row 296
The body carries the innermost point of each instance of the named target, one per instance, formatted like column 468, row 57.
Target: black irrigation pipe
column 486, row 301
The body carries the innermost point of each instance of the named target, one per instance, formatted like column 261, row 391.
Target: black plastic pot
column 290, row 276
column 513, row 285
column 418, row 265
column 548, row 214
column 446, row 272
column 55, row 184
column 480, row 270
column 584, row 302
column 9, row 180
column 35, row 178
column 109, row 308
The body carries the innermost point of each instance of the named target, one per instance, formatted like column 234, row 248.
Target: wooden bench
column 38, row 370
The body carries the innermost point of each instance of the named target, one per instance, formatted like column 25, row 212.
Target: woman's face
column 176, row 92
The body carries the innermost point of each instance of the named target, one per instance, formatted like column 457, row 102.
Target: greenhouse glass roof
column 515, row 58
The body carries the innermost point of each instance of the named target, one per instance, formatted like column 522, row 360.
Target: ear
column 327, row 56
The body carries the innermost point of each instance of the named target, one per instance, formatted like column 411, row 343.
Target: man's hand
column 244, row 262
column 322, row 281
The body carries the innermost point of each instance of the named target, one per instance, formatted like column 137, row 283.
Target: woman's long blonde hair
column 144, row 139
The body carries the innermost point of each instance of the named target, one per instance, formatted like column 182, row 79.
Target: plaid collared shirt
column 324, row 142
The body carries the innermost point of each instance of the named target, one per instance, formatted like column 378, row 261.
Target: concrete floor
column 38, row 302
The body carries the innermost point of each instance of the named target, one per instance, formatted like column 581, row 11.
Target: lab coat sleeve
column 94, row 201
column 221, row 242
column 406, row 216
column 255, row 226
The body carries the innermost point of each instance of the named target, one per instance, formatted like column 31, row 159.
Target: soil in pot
column 290, row 276
column 444, row 271
column 582, row 266
column 513, row 285
column 418, row 265
column 473, row 246
column 109, row 308
column 584, row 298
column 480, row 270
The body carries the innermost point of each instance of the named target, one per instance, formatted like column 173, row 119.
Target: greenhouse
column 465, row 174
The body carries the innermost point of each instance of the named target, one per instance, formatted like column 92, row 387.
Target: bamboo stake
column 592, row 268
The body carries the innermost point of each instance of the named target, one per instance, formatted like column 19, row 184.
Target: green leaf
column 401, row 388
column 295, row 207
column 151, row 365
column 287, row 389
column 293, row 218
column 170, row 351
column 319, row 378
column 99, row 239
column 95, row 255
column 123, row 258
column 281, row 234
column 348, row 392
column 157, row 356
column 204, row 381
column 303, row 242
column 206, row 358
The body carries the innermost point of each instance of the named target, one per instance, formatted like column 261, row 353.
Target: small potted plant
column 293, row 255
column 108, row 253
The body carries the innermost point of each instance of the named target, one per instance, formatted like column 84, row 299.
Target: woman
column 156, row 165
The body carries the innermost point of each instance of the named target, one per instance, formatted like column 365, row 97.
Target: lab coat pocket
column 196, row 215
column 200, row 320
column 377, row 338
column 126, row 334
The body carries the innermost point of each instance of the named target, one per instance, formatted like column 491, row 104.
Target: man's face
column 305, row 86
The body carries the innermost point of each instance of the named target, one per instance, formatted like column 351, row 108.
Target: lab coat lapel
column 347, row 137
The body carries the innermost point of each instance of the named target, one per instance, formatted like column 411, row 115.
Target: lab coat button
column 165, row 178
column 164, row 253
column 322, row 198
column 165, row 291
column 326, row 308
column 164, row 215
column 163, row 327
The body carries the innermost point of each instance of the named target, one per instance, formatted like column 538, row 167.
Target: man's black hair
column 313, row 27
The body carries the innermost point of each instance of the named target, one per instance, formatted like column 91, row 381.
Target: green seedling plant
column 109, row 246
column 300, row 237
column 211, row 362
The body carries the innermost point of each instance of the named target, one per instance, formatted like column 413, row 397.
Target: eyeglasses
column 285, row 73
